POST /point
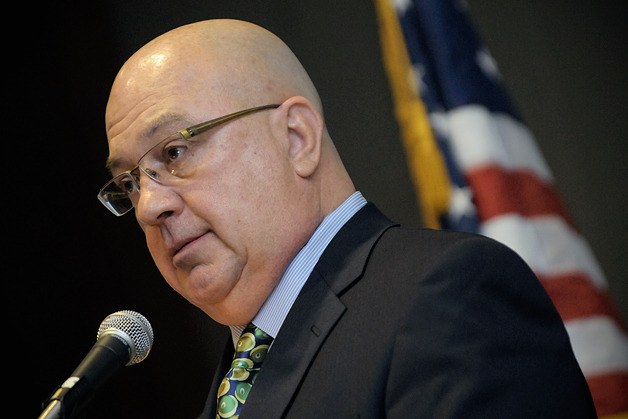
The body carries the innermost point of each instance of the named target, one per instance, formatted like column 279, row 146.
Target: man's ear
column 305, row 134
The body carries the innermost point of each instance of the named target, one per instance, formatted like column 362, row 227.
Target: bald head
column 237, row 62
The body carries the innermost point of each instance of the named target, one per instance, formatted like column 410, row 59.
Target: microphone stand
column 54, row 410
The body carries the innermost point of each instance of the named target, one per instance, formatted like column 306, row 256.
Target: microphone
column 124, row 338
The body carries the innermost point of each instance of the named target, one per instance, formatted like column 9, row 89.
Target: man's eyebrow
column 168, row 118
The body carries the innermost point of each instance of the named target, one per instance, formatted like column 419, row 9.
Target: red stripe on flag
column 497, row 191
column 610, row 393
column 575, row 296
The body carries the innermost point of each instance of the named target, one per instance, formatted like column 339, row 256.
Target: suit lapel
column 292, row 351
column 314, row 314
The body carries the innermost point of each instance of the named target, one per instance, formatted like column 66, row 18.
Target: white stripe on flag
column 478, row 138
column 599, row 345
column 548, row 244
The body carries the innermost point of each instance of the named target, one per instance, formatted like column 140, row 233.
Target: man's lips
column 180, row 244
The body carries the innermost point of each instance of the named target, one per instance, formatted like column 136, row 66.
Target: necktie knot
column 252, row 347
column 250, row 352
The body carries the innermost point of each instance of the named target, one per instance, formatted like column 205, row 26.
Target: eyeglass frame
column 186, row 134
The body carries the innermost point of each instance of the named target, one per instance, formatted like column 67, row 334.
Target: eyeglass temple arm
column 192, row 131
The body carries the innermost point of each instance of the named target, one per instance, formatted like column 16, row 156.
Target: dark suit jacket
column 416, row 323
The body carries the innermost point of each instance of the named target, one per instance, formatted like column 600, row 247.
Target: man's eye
column 174, row 152
column 128, row 182
column 128, row 186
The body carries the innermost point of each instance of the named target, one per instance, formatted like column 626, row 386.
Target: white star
column 401, row 5
column 461, row 203
column 487, row 64
column 418, row 71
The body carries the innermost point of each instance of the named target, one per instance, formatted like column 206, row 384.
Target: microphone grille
column 135, row 326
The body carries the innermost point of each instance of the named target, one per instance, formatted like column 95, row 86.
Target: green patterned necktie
column 235, row 387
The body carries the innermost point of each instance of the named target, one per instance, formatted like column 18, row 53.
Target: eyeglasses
column 171, row 159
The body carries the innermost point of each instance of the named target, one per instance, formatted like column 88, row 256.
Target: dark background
column 71, row 263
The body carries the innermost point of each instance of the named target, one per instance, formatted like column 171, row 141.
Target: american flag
column 477, row 167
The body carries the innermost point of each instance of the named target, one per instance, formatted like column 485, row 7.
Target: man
column 254, row 219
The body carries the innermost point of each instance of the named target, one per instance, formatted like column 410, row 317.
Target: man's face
column 221, row 235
